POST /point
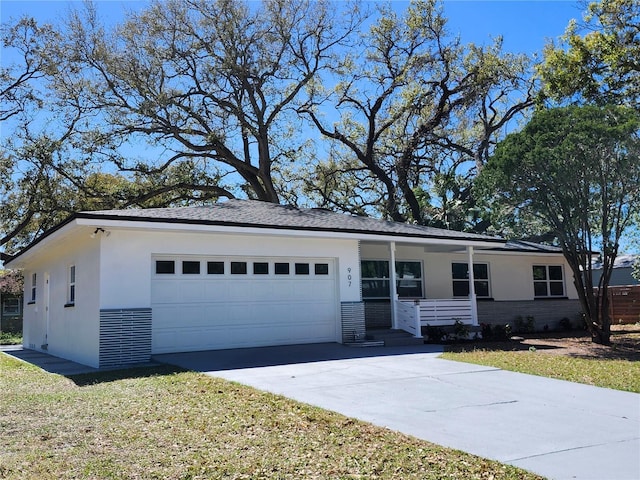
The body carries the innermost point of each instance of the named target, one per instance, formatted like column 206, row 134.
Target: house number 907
column 349, row 275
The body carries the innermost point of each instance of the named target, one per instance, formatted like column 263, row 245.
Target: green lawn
column 617, row 374
column 164, row 423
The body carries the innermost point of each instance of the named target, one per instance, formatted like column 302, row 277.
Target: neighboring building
column 622, row 273
column 111, row 288
column 10, row 302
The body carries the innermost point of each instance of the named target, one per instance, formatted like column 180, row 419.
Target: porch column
column 392, row 285
column 472, row 287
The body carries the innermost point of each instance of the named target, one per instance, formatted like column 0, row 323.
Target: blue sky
column 525, row 24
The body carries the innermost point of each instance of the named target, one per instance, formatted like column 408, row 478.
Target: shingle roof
column 248, row 213
column 524, row 246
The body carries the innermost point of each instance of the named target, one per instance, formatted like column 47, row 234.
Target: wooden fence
column 624, row 304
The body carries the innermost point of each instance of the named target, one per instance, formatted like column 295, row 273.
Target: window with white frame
column 375, row 279
column 71, row 290
column 548, row 281
column 460, row 277
column 34, row 283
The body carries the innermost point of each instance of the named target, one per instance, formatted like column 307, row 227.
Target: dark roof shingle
column 249, row 213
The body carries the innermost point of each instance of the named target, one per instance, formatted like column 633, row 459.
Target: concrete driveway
column 557, row 429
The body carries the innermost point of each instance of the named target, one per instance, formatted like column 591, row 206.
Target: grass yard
column 165, row 423
column 617, row 374
column 573, row 358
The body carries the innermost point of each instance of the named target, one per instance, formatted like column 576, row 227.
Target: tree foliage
column 600, row 60
column 418, row 113
column 578, row 170
column 208, row 82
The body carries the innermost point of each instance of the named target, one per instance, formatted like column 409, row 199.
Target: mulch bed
column 625, row 344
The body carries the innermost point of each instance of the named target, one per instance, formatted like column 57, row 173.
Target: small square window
column 164, row 267
column 281, row 268
column 238, row 268
column 190, row 267
column 215, row 268
column 260, row 268
column 302, row 269
column 322, row 268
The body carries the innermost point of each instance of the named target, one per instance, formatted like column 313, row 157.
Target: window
column 260, row 268
column 409, row 279
column 71, row 291
column 375, row 279
column 11, row 306
column 321, row 269
column 165, row 267
column 548, row 281
column 34, row 279
column 281, row 268
column 460, row 276
column 302, row 269
column 215, row 268
column 238, row 268
column 190, row 267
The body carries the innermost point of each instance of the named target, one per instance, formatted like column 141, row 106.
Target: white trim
column 393, row 291
column 472, row 288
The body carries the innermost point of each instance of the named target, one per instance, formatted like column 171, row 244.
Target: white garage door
column 203, row 303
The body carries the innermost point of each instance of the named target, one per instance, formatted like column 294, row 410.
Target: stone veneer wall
column 545, row 312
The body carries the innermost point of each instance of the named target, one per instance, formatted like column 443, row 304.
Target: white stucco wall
column 126, row 259
column 73, row 330
column 510, row 274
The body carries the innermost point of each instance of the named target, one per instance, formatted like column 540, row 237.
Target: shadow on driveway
column 220, row 360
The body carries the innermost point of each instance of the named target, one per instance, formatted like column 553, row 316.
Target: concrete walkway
column 558, row 429
column 47, row 362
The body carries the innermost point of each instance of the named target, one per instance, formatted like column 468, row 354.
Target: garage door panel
column 165, row 291
column 207, row 311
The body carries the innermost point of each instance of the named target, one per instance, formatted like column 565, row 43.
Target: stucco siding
column 71, row 331
column 127, row 259
column 510, row 274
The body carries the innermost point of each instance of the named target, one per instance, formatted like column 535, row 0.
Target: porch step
column 366, row 343
column 393, row 338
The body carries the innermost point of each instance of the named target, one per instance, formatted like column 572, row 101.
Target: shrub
column 565, row 324
column 460, row 330
column 435, row 334
column 525, row 325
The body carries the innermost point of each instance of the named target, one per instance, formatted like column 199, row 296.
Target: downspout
column 392, row 285
column 472, row 287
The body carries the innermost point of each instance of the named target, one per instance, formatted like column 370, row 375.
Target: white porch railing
column 415, row 314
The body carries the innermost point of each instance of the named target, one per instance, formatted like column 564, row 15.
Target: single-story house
column 622, row 273
column 109, row 288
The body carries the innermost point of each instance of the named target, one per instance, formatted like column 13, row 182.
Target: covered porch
column 433, row 285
